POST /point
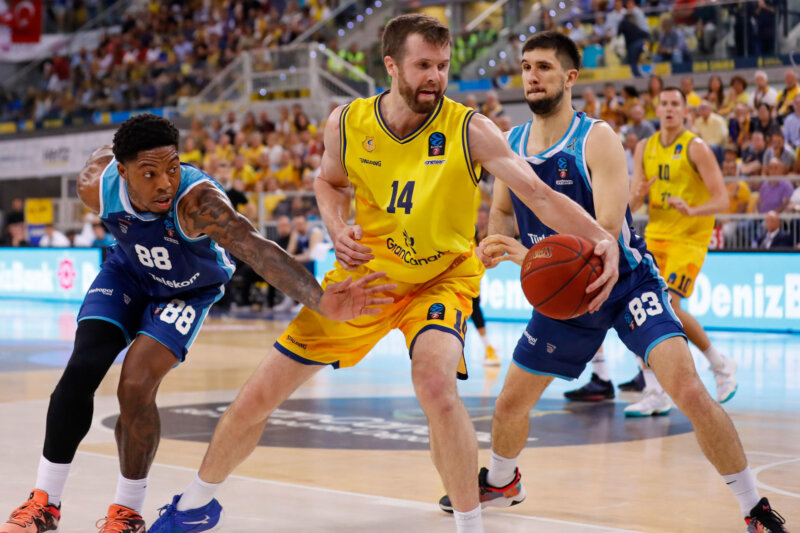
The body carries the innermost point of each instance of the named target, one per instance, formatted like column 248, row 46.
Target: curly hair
column 143, row 132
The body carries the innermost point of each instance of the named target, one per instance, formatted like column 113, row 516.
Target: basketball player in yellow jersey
column 682, row 180
column 412, row 158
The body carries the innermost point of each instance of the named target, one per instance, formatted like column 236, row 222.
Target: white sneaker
column 725, row 374
column 654, row 403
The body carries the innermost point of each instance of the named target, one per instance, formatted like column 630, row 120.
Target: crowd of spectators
column 754, row 134
column 159, row 57
column 637, row 32
column 255, row 153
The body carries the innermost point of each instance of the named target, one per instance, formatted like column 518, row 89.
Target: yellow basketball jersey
column 414, row 196
column 676, row 177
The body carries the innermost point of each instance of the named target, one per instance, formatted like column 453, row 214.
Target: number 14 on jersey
column 405, row 200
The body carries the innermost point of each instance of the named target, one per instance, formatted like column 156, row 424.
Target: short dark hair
column 673, row 88
column 566, row 50
column 399, row 28
column 143, row 132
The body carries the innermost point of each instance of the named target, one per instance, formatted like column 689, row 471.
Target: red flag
column 24, row 17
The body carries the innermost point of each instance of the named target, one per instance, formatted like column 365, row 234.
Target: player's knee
column 691, row 395
column 72, row 385
column 435, row 391
column 505, row 408
column 252, row 404
column 136, row 391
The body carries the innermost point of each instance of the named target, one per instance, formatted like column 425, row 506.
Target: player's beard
column 546, row 105
column 410, row 94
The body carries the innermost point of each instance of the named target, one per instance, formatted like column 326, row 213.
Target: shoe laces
column 26, row 513
column 166, row 510
column 117, row 523
column 769, row 515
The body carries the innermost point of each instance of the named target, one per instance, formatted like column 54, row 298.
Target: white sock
column 743, row 486
column 197, row 494
column 714, row 357
column 599, row 365
column 650, row 381
column 131, row 493
column 469, row 522
column 501, row 470
column 51, row 478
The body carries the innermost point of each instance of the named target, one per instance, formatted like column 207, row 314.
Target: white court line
column 396, row 502
column 761, row 468
column 771, row 454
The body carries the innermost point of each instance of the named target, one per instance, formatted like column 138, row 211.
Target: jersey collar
column 413, row 135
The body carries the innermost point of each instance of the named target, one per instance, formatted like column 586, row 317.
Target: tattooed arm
column 89, row 177
column 205, row 210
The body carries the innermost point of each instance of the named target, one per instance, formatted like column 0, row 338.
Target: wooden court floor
column 348, row 452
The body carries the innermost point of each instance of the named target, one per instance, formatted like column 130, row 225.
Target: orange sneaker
column 121, row 520
column 34, row 516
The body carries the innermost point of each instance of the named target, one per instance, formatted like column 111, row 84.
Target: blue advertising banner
column 753, row 291
column 62, row 274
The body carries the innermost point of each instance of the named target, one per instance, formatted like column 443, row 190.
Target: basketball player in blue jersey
column 174, row 227
column 409, row 156
column 584, row 159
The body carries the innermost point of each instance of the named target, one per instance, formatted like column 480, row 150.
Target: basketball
column 555, row 274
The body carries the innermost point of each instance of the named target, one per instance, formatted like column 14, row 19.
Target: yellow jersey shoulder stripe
column 465, row 141
column 343, row 137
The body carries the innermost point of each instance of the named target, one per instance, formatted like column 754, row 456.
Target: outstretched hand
column 496, row 248
column 608, row 251
column 349, row 299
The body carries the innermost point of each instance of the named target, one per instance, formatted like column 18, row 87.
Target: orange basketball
column 555, row 275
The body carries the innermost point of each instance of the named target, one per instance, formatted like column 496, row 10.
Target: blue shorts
column 115, row 296
column 638, row 309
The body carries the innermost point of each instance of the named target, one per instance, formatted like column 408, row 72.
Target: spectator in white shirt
column 710, row 126
column 613, row 19
column 763, row 92
column 53, row 238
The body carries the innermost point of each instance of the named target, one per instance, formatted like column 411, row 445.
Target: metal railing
column 306, row 72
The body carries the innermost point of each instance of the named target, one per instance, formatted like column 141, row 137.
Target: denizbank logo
column 754, row 298
column 748, row 291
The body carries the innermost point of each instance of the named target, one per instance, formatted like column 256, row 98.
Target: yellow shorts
column 443, row 303
column 679, row 263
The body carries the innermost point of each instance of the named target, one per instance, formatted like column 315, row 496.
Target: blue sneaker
column 206, row 518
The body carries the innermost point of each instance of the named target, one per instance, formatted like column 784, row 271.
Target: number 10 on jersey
column 405, row 201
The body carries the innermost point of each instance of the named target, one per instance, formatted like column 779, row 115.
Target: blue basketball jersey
column 157, row 253
column 563, row 168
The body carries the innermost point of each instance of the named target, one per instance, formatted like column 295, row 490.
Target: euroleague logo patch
column 436, row 143
column 562, row 168
column 398, row 423
column 436, row 312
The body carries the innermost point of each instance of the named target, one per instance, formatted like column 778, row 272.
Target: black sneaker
column 634, row 385
column 596, row 390
column 764, row 519
column 490, row 496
